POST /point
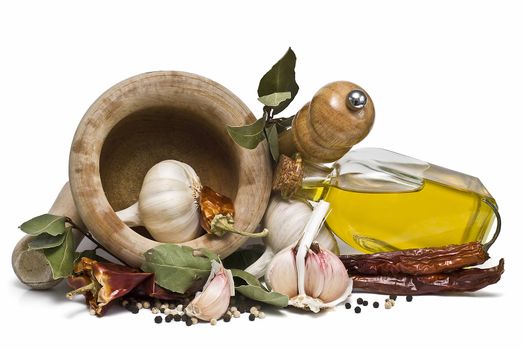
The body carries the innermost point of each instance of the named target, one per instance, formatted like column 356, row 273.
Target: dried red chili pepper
column 424, row 261
column 103, row 282
column 148, row 288
column 464, row 280
column 217, row 214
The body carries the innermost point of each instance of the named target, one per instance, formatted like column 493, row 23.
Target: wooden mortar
column 152, row 117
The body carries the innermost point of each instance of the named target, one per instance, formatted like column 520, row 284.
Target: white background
column 446, row 80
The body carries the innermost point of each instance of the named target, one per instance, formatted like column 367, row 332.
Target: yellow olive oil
column 434, row 215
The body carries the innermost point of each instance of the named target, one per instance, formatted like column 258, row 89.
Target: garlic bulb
column 285, row 220
column 212, row 302
column 313, row 278
column 167, row 204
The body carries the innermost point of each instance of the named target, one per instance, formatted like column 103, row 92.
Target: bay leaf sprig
column 55, row 239
column 53, row 235
column 276, row 90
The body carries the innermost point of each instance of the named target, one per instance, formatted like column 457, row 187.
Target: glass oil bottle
column 384, row 201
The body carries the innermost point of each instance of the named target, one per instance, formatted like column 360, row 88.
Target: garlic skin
column 212, row 302
column 281, row 275
column 325, row 275
column 167, row 204
column 285, row 220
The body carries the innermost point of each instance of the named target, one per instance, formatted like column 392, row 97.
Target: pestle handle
column 339, row 115
column 30, row 266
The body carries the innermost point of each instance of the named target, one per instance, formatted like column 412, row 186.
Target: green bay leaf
column 47, row 223
column 261, row 295
column 175, row 267
column 248, row 136
column 280, row 78
column 245, row 277
column 272, row 137
column 61, row 258
column 44, row 241
column 251, row 287
column 275, row 99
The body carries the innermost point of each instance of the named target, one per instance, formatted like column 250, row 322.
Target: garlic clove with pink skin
column 281, row 275
column 212, row 302
column 325, row 275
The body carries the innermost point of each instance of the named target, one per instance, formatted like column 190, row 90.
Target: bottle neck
column 315, row 181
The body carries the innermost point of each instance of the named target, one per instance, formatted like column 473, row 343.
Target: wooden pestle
column 339, row 115
column 30, row 266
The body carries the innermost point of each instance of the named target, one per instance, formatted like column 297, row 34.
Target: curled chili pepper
column 103, row 282
column 464, row 280
column 217, row 214
column 415, row 262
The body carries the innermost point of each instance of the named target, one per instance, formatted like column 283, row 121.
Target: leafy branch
column 276, row 91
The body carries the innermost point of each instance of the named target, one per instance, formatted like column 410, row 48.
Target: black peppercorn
column 365, row 303
column 359, row 301
column 188, row 322
column 347, row 306
column 184, row 318
column 393, row 297
column 376, row 304
column 177, row 318
column 357, row 309
column 169, row 318
column 158, row 319
column 226, row 318
column 409, row 298
column 132, row 308
column 252, row 317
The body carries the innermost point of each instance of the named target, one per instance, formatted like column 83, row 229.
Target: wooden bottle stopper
column 339, row 115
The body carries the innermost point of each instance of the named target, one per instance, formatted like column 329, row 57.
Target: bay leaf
column 275, row 99
column 251, row 287
column 175, row 267
column 47, row 223
column 248, row 136
column 280, row 78
column 272, row 138
column 243, row 258
column 61, row 258
column 44, row 241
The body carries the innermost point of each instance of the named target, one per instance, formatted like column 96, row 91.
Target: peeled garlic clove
column 281, row 275
column 212, row 302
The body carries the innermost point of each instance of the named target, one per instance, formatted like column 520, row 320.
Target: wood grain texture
column 156, row 116
column 325, row 129
column 31, row 266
